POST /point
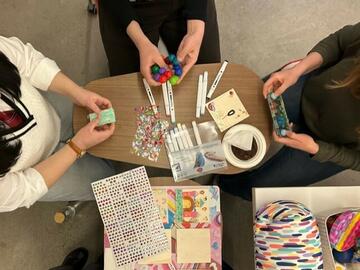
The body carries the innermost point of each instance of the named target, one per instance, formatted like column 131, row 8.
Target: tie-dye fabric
column 287, row 238
column 345, row 231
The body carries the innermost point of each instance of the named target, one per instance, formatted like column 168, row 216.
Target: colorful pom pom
column 162, row 74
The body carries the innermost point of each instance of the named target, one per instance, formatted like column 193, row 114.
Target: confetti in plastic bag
column 150, row 134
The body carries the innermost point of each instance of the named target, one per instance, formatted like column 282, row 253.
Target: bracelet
column 79, row 152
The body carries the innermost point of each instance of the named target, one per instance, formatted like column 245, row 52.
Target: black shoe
column 76, row 258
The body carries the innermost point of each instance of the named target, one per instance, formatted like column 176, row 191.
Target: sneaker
column 76, row 258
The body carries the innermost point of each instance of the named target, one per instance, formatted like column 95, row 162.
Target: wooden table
column 127, row 92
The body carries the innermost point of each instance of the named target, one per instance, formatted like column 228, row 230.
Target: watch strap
column 76, row 148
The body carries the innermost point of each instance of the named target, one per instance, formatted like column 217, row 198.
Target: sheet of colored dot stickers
column 192, row 220
column 130, row 216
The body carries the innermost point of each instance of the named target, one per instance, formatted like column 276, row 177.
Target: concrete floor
column 260, row 34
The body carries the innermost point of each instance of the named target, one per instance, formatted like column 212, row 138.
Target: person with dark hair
column 131, row 29
column 38, row 150
column 322, row 99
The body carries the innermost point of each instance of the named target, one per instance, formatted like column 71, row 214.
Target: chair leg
column 68, row 212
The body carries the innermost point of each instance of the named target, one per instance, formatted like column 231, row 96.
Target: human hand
column 301, row 142
column 280, row 81
column 91, row 100
column 91, row 135
column 150, row 55
column 189, row 49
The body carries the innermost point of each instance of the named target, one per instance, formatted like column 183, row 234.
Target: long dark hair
column 352, row 81
column 10, row 85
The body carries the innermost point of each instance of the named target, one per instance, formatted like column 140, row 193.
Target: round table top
column 126, row 92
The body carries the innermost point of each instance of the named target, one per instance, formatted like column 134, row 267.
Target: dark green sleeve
column 121, row 10
column 333, row 47
column 348, row 158
column 195, row 9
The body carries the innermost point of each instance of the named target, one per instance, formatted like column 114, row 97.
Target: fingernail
column 273, row 96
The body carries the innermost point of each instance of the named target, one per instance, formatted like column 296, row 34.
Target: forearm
column 311, row 62
column 56, row 165
column 136, row 34
column 345, row 157
column 63, row 85
column 196, row 27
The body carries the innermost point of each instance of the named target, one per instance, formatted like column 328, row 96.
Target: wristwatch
column 79, row 152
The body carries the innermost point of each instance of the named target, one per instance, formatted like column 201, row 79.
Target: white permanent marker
column 182, row 136
column 204, row 92
column 150, row 96
column 171, row 102
column 178, row 138
column 187, row 136
column 196, row 133
column 217, row 79
column 199, row 98
column 173, row 140
column 166, row 98
column 169, row 143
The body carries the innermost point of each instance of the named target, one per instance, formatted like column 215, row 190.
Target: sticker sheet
column 203, row 225
column 227, row 110
column 130, row 216
column 150, row 133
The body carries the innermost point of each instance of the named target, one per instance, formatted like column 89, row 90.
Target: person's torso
column 333, row 114
column 39, row 142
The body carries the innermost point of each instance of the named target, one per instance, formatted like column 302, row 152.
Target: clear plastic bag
column 190, row 159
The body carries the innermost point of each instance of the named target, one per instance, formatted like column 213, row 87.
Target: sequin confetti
column 150, row 133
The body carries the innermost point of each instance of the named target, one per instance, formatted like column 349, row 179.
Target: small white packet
column 242, row 140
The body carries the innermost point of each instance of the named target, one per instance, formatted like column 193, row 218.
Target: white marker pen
column 196, row 133
column 178, row 138
column 169, row 143
column 182, row 136
column 166, row 98
column 173, row 140
column 199, row 97
column 217, row 79
column 187, row 136
column 150, row 96
column 171, row 102
column 204, row 91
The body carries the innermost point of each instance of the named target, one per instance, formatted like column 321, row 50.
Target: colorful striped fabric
column 345, row 231
column 287, row 237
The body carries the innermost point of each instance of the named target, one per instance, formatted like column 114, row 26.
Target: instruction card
column 227, row 110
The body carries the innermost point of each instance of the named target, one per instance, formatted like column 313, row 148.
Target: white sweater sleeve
column 31, row 64
column 21, row 189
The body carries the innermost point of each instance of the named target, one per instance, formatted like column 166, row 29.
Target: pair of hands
column 91, row 135
column 280, row 82
column 187, row 53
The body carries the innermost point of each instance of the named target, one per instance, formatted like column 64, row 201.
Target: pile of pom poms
column 162, row 74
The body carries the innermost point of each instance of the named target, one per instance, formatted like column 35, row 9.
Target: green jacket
column 334, row 114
